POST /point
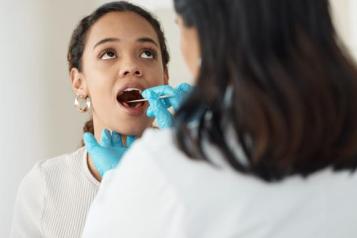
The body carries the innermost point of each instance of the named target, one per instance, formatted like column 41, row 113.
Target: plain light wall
column 344, row 14
column 352, row 37
column 37, row 117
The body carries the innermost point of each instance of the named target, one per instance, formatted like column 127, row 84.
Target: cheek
column 100, row 90
column 99, row 77
column 96, row 72
column 156, row 75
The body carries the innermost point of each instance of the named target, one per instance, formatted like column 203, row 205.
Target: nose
column 130, row 69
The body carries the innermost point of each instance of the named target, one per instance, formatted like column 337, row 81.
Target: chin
column 134, row 128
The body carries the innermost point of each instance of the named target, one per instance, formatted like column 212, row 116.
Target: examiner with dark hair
column 264, row 146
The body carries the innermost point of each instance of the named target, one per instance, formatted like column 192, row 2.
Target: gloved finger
column 184, row 87
column 174, row 101
column 116, row 139
column 155, row 104
column 106, row 139
column 90, row 142
column 130, row 140
column 165, row 102
column 181, row 92
column 164, row 120
column 163, row 90
column 160, row 90
column 177, row 94
column 150, row 113
column 153, row 100
column 158, row 110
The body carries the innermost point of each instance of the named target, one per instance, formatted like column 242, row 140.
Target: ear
column 79, row 84
column 166, row 76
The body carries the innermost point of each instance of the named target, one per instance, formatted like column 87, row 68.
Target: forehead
column 127, row 26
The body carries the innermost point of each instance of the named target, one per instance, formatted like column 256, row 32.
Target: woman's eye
column 147, row 54
column 108, row 55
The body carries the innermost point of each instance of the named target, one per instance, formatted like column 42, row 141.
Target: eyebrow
column 147, row 39
column 105, row 41
column 142, row 39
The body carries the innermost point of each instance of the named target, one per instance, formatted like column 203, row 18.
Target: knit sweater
column 54, row 197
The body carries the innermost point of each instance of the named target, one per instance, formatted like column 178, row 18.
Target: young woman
column 114, row 53
column 266, row 144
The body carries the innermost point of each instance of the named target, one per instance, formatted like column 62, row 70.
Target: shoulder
column 159, row 148
column 143, row 156
column 35, row 190
column 157, row 157
column 156, row 151
column 61, row 162
column 156, row 138
column 33, row 182
column 156, row 144
column 37, row 177
column 41, row 169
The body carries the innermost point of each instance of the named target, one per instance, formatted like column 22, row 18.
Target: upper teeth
column 132, row 89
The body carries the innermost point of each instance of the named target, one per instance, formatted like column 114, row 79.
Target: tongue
column 129, row 96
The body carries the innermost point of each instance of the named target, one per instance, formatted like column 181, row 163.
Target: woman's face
column 122, row 52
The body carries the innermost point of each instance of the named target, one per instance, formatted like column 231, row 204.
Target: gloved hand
column 158, row 107
column 108, row 153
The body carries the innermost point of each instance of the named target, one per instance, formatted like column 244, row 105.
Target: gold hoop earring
column 82, row 103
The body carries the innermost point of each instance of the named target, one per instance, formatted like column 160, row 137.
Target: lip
column 131, row 111
column 130, row 85
column 134, row 111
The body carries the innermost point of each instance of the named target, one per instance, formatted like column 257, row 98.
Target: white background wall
column 37, row 119
column 346, row 22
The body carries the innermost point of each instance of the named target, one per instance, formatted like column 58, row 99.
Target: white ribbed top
column 54, row 197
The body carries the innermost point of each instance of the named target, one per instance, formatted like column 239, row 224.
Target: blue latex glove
column 158, row 107
column 108, row 153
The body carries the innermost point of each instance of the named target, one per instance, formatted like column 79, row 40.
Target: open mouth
column 124, row 97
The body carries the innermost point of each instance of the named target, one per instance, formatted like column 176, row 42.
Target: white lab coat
column 156, row 191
